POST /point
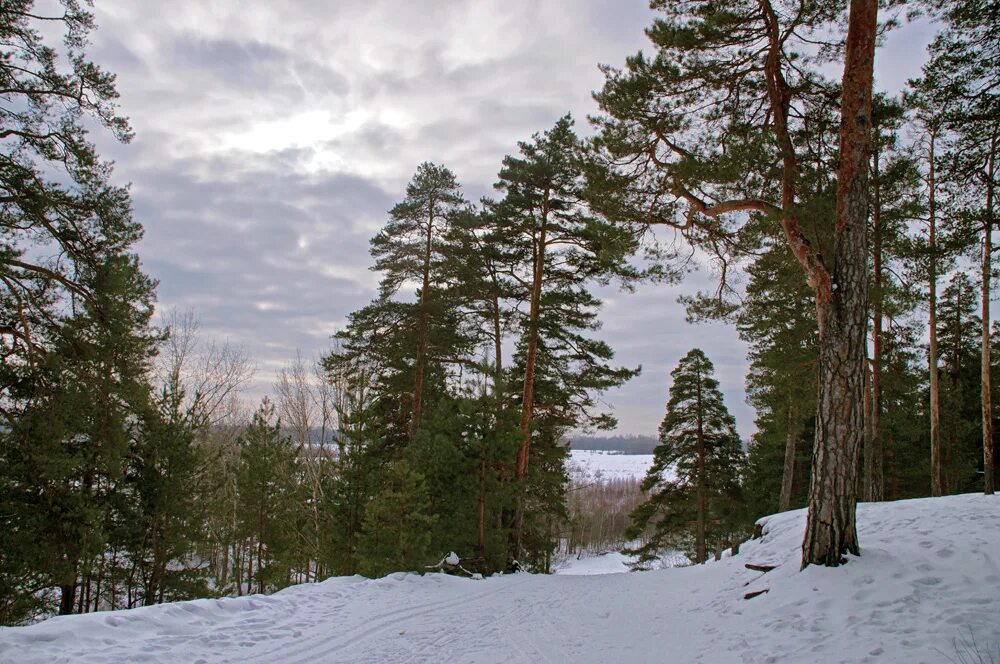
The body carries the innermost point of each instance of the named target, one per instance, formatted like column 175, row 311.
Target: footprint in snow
column 928, row 581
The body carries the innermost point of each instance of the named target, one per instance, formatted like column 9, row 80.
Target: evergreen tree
column 893, row 180
column 396, row 534
column 561, row 246
column 270, row 503
column 63, row 455
column 714, row 123
column 694, row 482
column 958, row 332
column 74, row 312
column 458, row 451
column 167, row 519
column 778, row 323
column 410, row 249
column 964, row 82
column 362, row 458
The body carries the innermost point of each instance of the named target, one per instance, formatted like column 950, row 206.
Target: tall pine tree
column 694, row 482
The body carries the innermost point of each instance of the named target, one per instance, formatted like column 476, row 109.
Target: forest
column 848, row 232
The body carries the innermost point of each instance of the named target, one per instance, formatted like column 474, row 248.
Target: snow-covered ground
column 929, row 576
column 593, row 465
column 611, row 562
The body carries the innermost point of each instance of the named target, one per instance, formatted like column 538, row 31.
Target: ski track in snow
column 929, row 574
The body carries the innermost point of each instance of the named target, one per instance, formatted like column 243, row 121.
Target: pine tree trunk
column 874, row 458
column 531, row 359
column 67, row 599
column 932, row 348
column 841, row 312
column 481, row 512
column 421, row 360
column 788, row 472
column 701, row 550
column 866, row 456
column 986, row 359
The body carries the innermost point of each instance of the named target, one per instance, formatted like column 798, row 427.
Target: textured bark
column 986, row 359
column 788, row 471
column 932, row 348
column 841, row 311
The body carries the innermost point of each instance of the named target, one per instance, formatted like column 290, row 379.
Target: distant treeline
column 624, row 444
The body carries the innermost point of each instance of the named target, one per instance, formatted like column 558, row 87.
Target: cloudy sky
column 271, row 141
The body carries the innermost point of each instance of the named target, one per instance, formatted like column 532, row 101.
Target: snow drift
column 926, row 586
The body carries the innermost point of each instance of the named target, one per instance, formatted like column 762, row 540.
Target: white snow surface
column 929, row 574
column 612, row 562
column 594, row 465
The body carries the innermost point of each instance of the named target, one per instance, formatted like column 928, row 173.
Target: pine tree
column 561, row 245
column 778, row 323
column 934, row 248
column 361, row 460
column 410, row 248
column 694, row 482
column 74, row 312
column 270, row 503
column 64, row 454
column 893, row 180
column 396, row 535
column 458, row 451
column 964, row 82
column 713, row 125
column 167, row 518
column 958, row 331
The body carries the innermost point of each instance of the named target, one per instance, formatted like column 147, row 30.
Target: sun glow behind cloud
column 272, row 139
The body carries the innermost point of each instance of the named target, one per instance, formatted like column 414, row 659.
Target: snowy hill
column 929, row 577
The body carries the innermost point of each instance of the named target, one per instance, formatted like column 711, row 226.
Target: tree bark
column 932, row 348
column 867, row 454
column 788, row 472
column 841, row 311
column 67, row 599
column 986, row 359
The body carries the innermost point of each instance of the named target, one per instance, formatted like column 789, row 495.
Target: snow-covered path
column 929, row 574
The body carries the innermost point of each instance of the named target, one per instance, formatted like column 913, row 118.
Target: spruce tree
column 694, row 482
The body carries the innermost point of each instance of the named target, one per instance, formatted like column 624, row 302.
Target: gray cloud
column 271, row 142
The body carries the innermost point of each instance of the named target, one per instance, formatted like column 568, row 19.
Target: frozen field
column 591, row 465
column 927, row 582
